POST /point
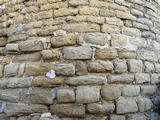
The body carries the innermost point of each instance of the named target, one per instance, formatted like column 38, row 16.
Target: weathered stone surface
column 97, row 3
column 86, row 80
column 107, row 53
column 117, row 117
column 65, row 95
column 65, row 12
column 15, row 83
column 127, row 54
column 135, row 65
column 157, row 67
column 65, row 40
column 35, row 69
column 126, row 105
column 17, row 37
column 81, row 27
column 136, row 117
column 3, row 41
column 144, row 104
column 123, row 78
column 12, row 47
column 77, row 53
column 147, row 55
column 44, row 15
column 97, row 38
column 31, row 45
column 66, row 69
column 14, row 109
column 131, row 32
column 98, row 108
column 120, row 66
column 42, row 81
column 110, row 92
column 100, row 66
column 36, row 95
column 130, row 91
column 114, row 21
column 11, row 69
column 33, row 57
column 92, row 94
column 149, row 67
column 148, row 90
column 78, row 2
column 106, row 28
column 68, row 110
column 107, row 13
column 95, row 19
column 89, row 11
column 142, row 78
column 53, row 54
column 155, row 78
column 1, row 70
column 125, row 15
column 81, row 68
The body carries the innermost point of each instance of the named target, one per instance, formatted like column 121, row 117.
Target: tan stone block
column 1, row 70
column 92, row 94
column 42, row 81
column 65, row 12
column 35, row 69
column 130, row 91
column 110, row 92
column 3, row 41
column 107, row 13
column 106, row 28
column 120, row 66
column 81, row 27
column 12, row 47
column 78, row 2
column 44, row 15
column 68, row 110
column 93, row 19
column 114, row 21
column 135, row 65
column 53, row 54
column 142, row 78
column 97, row 3
column 125, row 15
column 11, row 70
column 100, row 66
column 65, row 95
column 127, row 54
column 81, row 68
column 107, row 53
column 64, row 40
column 89, row 11
column 131, row 32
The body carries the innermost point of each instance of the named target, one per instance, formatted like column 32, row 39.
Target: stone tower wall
column 79, row 59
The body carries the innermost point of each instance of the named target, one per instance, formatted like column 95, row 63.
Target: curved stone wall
column 79, row 59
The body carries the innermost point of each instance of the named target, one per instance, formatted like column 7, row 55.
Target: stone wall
column 79, row 59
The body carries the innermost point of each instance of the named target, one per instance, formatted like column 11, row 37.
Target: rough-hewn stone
column 130, row 91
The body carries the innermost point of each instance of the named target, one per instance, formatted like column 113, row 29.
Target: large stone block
column 155, row 78
column 125, row 15
column 130, row 91
column 97, row 38
column 117, row 117
column 35, row 69
column 42, row 81
column 64, row 40
column 65, row 95
column 135, row 65
column 78, row 53
column 144, row 104
column 126, row 105
column 98, row 108
column 142, row 78
column 107, row 53
column 66, row 69
column 120, row 66
column 127, row 54
column 17, row 109
column 92, row 94
column 68, row 110
column 100, row 66
column 106, row 28
column 44, row 15
column 11, row 69
column 3, row 41
column 81, row 27
column 89, row 11
column 149, row 67
column 131, row 32
column 110, row 92
column 148, row 90
column 65, row 12
column 81, row 68
column 122, row 78
column 78, row 2
column 86, row 80
column 97, row 3
column 53, row 54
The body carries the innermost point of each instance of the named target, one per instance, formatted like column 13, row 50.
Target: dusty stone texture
column 86, row 80
column 81, row 68
column 11, row 69
column 126, row 105
column 53, row 54
column 65, row 95
column 136, row 117
column 37, row 69
column 92, row 94
column 103, row 108
column 135, row 65
column 42, row 81
column 120, row 66
column 77, row 53
column 147, row 90
column 66, row 69
column 110, row 92
column 130, row 91
column 12, row 109
column 68, row 110
column 142, row 78
column 100, row 66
